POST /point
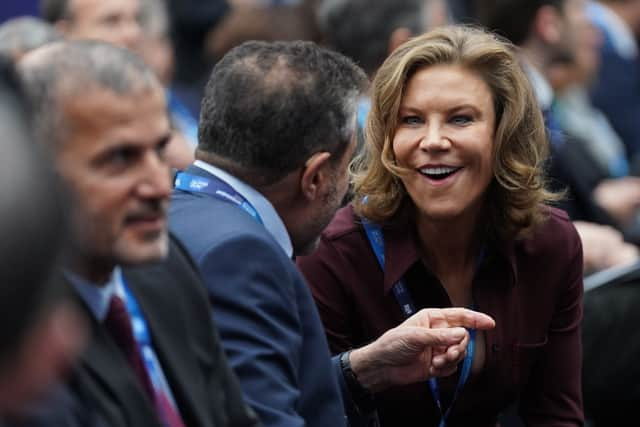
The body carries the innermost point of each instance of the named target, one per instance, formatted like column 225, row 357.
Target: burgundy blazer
column 532, row 288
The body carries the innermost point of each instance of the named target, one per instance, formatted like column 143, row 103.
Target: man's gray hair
column 22, row 34
column 67, row 69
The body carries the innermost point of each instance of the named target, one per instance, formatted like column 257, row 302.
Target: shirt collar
column 97, row 297
column 621, row 36
column 270, row 218
column 402, row 252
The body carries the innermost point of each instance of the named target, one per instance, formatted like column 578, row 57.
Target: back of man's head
column 60, row 71
column 20, row 35
column 269, row 106
column 512, row 19
column 363, row 29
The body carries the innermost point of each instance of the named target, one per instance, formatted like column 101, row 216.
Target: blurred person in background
column 20, row 35
column 142, row 28
column 41, row 333
column 368, row 32
column 156, row 48
column 616, row 88
column 601, row 188
column 113, row 21
column 192, row 23
column 546, row 33
column 204, row 31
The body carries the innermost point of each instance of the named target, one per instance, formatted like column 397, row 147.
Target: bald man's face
column 113, row 21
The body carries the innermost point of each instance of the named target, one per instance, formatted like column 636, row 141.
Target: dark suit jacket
column 175, row 307
column 616, row 91
column 268, row 321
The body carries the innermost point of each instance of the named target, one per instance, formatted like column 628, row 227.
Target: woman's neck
column 450, row 250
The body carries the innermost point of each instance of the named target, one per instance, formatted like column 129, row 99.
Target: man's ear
column 315, row 174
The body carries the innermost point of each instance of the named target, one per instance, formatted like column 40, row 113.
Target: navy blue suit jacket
column 267, row 319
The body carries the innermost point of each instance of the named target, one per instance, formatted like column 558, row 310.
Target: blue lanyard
column 401, row 293
column 217, row 188
column 143, row 339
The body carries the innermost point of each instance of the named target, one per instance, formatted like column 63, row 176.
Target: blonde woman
column 451, row 209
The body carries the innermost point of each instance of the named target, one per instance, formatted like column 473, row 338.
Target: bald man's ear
column 397, row 37
column 315, row 175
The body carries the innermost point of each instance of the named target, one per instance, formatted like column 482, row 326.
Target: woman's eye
column 461, row 120
column 411, row 120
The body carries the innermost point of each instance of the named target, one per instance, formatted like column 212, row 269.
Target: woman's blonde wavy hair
column 518, row 191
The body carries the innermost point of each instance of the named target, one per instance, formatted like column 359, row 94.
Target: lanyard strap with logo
column 401, row 293
column 215, row 187
column 143, row 340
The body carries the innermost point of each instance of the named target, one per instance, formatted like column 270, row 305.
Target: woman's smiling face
column 444, row 138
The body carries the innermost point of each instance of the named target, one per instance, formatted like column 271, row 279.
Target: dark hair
column 32, row 218
column 512, row 19
column 361, row 29
column 68, row 68
column 54, row 10
column 268, row 106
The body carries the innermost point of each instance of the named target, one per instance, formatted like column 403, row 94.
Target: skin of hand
column 604, row 246
column 619, row 197
column 430, row 343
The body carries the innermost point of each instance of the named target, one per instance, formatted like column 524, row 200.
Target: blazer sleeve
column 553, row 395
column 254, row 307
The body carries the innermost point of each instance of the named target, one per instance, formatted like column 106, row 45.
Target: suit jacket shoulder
column 268, row 322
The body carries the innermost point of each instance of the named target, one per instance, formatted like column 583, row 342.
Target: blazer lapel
column 159, row 304
column 105, row 375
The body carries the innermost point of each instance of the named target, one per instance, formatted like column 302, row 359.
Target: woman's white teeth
column 437, row 171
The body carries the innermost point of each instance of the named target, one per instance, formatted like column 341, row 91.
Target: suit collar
column 402, row 251
column 106, row 364
column 270, row 218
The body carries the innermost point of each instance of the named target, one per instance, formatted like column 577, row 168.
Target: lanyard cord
column 401, row 293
